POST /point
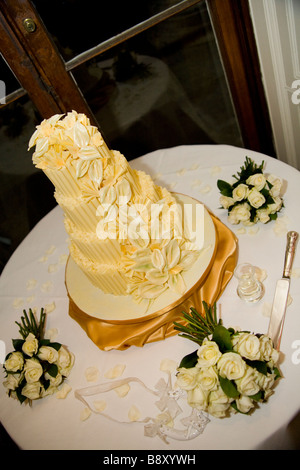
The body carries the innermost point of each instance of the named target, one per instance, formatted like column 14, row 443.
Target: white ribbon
column 194, row 424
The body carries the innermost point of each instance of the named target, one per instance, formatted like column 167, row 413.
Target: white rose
column 247, row 384
column 219, row 403
column 276, row 206
column 266, row 348
column 208, row 378
column 33, row 370
column 208, row 354
column 231, row 366
column 247, row 345
column 258, row 180
column 265, row 382
column 263, row 215
column 32, row 390
column 65, row 361
column 47, row 353
column 244, row 404
column 197, row 398
column 31, row 345
column 12, row 381
column 226, row 201
column 240, row 213
column 240, row 192
column 54, row 381
column 14, row 362
column 255, row 198
column 276, row 185
column 50, row 391
column 187, row 378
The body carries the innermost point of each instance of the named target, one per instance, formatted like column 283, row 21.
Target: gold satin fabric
column 120, row 335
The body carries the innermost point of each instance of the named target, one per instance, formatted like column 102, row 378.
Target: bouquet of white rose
column 253, row 197
column 37, row 367
column 231, row 370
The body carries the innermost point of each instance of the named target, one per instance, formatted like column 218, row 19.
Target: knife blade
column 282, row 292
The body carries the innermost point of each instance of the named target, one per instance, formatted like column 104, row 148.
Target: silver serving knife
column 282, row 292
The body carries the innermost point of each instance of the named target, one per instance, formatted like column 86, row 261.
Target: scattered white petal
column 215, row 170
column 168, row 365
column 115, row 372
column 30, row 299
column 99, row 405
column 280, row 226
column 206, row 189
column 196, row 183
column 122, row 390
column 18, row 302
column 50, row 250
column 47, row 286
column 85, row 414
column 195, row 166
column 289, row 300
column 134, row 413
column 181, row 172
column 50, row 307
column 172, row 185
column 91, row 374
column 52, row 268
column 296, row 272
column 241, row 231
column 63, row 259
column 63, row 392
column 31, row 284
column 51, row 334
column 253, row 230
column 266, row 309
column 43, row 259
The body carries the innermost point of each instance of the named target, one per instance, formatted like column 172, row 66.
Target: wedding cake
column 126, row 233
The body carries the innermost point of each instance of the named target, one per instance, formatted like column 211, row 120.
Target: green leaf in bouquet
column 55, row 346
column 189, row 361
column 260, row 366
column 28, row 324
column 198, row 327
column 225, row 188
column 222, row 337
column 249, row 168
column 229, row 387
column 52, row 370
column 17, row 344
column 259, row 396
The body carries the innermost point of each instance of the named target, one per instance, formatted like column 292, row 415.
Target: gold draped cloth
column 121, row 334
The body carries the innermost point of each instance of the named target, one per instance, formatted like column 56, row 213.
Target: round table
column 34, row 277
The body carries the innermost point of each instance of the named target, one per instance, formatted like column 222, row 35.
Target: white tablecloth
column 34, row 277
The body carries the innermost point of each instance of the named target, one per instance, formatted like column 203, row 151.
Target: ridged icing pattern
column 124, row 230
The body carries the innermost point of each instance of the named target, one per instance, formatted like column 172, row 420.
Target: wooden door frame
column 37, row 64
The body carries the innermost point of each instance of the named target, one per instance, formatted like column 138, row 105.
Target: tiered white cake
column 126, row 233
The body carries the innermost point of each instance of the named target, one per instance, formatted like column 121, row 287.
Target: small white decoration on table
column 249, row 287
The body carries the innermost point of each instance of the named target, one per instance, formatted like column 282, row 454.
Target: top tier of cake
column 126, row 233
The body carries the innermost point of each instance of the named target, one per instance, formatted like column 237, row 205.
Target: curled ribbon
column 194, row 424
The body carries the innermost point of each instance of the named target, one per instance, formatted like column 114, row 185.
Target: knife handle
column 292, row 238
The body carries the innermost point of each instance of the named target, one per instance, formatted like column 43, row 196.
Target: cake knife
column 282, row 292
